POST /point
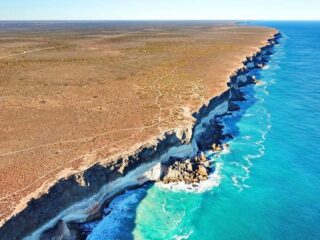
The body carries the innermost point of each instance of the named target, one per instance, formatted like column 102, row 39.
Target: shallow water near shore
column 267, row 186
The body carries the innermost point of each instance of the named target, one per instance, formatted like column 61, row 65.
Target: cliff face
column 80, row 197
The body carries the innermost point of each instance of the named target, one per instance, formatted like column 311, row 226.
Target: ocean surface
column 267, row 185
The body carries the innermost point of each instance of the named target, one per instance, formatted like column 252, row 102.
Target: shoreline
column 141, row 167
column 249, row 65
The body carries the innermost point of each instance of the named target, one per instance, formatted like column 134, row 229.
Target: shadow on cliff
column 231, row 122
column 118, row 221
column 120, row 215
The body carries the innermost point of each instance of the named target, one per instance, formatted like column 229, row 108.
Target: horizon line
column 244, row 20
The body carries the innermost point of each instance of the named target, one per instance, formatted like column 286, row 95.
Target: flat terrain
column 74, row 94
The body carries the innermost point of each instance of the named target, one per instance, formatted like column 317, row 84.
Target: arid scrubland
column 76, row 94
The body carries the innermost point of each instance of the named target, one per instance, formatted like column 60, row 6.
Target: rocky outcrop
column 69, row 202
column 212, row 135
column 194, row 170
column 189, row 171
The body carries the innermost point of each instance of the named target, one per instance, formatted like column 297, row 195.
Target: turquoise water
column 269, row 186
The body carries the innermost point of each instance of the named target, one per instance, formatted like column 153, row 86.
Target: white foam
column 178, row 222
column 241, row 186
column 234, row 179
column 248, row 160
column 246, row 137
column 225, row 150
column 235, row 163
column 246, row 169
column 186, row 236
column 248, row 115
column 164, row 206
column 236, row 182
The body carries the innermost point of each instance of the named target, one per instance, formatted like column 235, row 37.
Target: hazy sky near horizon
column 158, row 9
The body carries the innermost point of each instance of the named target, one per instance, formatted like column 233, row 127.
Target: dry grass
column 74, row 93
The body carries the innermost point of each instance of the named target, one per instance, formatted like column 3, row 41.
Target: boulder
column 202, row 170
column 216, row 147
column 189, row 167
column 206, row 164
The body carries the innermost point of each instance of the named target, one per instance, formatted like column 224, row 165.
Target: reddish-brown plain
column 72, row 95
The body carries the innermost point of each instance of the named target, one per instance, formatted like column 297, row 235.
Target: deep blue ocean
column 268, row 183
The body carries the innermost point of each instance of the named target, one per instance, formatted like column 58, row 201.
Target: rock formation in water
column 189, row 171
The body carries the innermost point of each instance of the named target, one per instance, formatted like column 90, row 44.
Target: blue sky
column 158, row 9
